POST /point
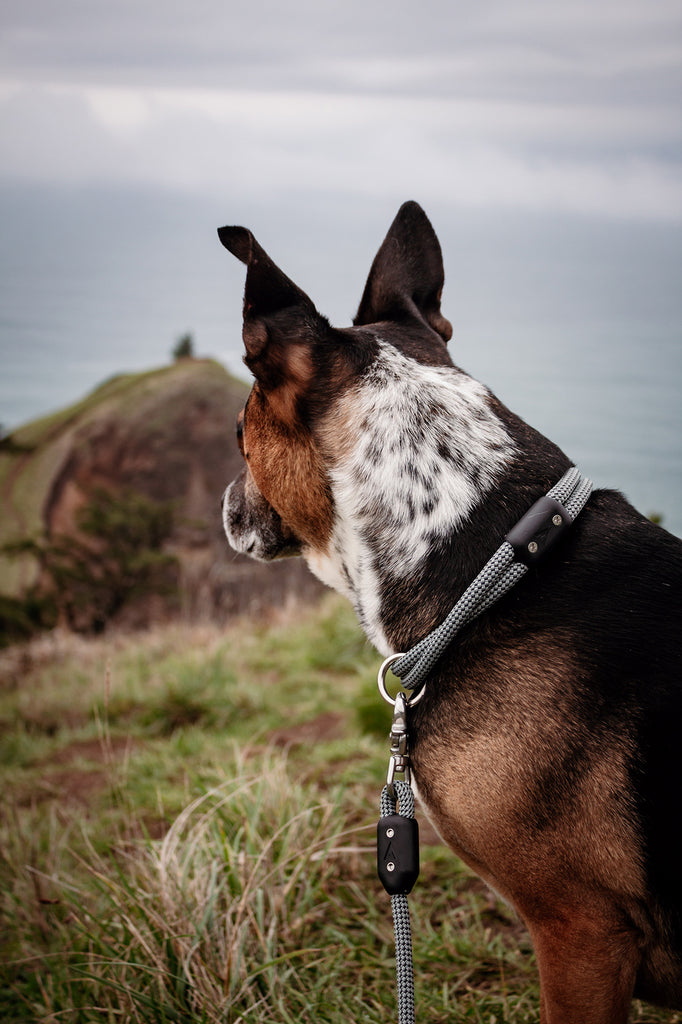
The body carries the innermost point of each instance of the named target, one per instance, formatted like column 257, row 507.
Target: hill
column 168, row 435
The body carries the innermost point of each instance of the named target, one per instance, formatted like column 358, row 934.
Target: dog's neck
column 414, row 451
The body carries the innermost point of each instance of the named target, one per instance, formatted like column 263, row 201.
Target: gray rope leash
column 562, row 503
column 399, row 904
column 398, row 847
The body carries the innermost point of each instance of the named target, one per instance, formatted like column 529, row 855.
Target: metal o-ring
column 410, row 701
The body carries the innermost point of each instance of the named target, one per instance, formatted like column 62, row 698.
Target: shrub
column 117, row 556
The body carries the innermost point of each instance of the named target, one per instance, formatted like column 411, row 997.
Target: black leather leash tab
column 398, row 853
column 538, row 530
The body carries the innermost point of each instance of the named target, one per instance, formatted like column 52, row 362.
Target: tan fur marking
column 298, row 372
column 478, row 783
column 288, row 470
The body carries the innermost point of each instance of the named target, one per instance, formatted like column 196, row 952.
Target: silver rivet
column 532, row 547
column 390, row 866
column 557, row 520
column 390, row 833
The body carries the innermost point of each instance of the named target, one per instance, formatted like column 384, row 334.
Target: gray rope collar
column 534, row 534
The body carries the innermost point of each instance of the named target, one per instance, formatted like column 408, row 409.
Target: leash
column 534, row 535
column 398, row 867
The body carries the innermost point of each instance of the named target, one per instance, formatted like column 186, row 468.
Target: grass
column 186, row 835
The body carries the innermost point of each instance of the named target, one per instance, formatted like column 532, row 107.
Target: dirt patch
column 65, row 783
column 327, row 726
column 72, row 787
column 99, row 750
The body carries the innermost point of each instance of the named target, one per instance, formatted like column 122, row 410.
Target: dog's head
column 282, row 502
column 361, row 445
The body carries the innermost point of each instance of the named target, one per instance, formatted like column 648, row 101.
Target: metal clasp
column 399, row 761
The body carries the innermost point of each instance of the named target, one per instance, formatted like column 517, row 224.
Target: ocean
column 575, row 323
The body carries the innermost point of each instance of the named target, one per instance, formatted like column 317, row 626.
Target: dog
column 546, row 748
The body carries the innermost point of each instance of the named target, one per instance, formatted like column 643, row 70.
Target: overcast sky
column 525, row 104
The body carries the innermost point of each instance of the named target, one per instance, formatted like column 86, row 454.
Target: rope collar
column 532, row 537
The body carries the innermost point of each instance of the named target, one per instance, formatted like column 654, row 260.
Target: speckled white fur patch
column 428, row 447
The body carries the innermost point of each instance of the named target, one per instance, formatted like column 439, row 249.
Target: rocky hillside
column 167, row 434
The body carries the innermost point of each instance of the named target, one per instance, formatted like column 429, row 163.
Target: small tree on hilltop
column 184, row 347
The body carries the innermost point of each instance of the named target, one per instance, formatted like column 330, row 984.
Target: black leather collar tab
column 538, row 530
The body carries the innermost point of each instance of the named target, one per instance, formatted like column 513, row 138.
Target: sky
column 543, row 139
column 516, row 104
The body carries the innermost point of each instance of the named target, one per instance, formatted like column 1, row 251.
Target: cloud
column 565, row 107
column 472, row 152
column 500, row 46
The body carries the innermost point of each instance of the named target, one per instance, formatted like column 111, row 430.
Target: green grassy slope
column 187, row 825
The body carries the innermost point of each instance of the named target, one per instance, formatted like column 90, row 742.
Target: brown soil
column 65, row 782
column 327, row 726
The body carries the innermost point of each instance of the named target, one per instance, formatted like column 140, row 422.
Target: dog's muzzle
column 252, row 526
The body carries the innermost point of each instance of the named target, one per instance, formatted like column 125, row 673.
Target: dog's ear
column 406, row 278
column 281, row 324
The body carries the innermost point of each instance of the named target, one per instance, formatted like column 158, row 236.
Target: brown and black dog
column 547, row 747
